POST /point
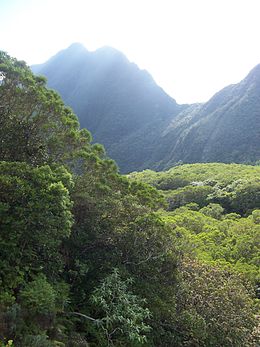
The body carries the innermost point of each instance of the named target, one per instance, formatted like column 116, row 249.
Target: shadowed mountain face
column 225, row 129
column 112, row 98
column 143, row 127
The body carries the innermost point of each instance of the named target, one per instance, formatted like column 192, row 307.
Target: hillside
column 225, row 129
column 141, row 126
column 112, row 98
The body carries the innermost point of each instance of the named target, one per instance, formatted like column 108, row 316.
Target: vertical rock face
column 143, row 127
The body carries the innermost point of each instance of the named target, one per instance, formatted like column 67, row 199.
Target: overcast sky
column 192, row 48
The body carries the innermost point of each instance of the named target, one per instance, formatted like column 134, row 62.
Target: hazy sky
column 192, row 48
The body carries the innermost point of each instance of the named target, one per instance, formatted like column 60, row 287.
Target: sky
column 192, row 48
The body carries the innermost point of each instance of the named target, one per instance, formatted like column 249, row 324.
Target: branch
column 83, row 315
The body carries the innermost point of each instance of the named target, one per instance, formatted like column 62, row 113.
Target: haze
column 191, row 48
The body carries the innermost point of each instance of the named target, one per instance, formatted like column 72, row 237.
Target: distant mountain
column 225, row 129
column 143, row 127
column 112, row 98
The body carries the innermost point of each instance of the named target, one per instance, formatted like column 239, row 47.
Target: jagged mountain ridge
column 143, row 127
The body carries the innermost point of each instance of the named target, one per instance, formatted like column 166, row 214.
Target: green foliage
column 37, row 341
column 147, row 195
column 35, row 218
column 38, row 296
column 246, row 196
column 188, row 194
column 230, row 242
column 215, row 309
column 216, row 233
column 213, row 210
column 211, row 174
column 122, row 315
column 35, row 125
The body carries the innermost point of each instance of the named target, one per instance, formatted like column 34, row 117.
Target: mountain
column 143, row 127
column 112, row 97
column 224, row 129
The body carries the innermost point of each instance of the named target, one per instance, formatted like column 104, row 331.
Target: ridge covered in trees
column 92, row 258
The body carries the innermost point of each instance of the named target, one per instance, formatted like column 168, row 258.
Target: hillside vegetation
column 91, row 258
column 214, row 210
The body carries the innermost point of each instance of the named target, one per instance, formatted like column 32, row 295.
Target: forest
column 90, row 257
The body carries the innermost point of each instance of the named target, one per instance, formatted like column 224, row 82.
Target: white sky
column 192, row 48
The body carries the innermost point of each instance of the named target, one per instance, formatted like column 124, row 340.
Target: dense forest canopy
column 215, row 208
column 92, row 258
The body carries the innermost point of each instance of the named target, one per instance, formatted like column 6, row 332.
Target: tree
column 122, row 315
column 35, row 217
column 35, row 125
column 213, row 210
column 215, row 308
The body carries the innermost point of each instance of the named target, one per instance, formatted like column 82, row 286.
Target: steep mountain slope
column 225, row 129
column 141, row 126
column 112, row 97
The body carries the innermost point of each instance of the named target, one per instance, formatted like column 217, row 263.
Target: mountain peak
column 77, row 46
column 112, row 97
